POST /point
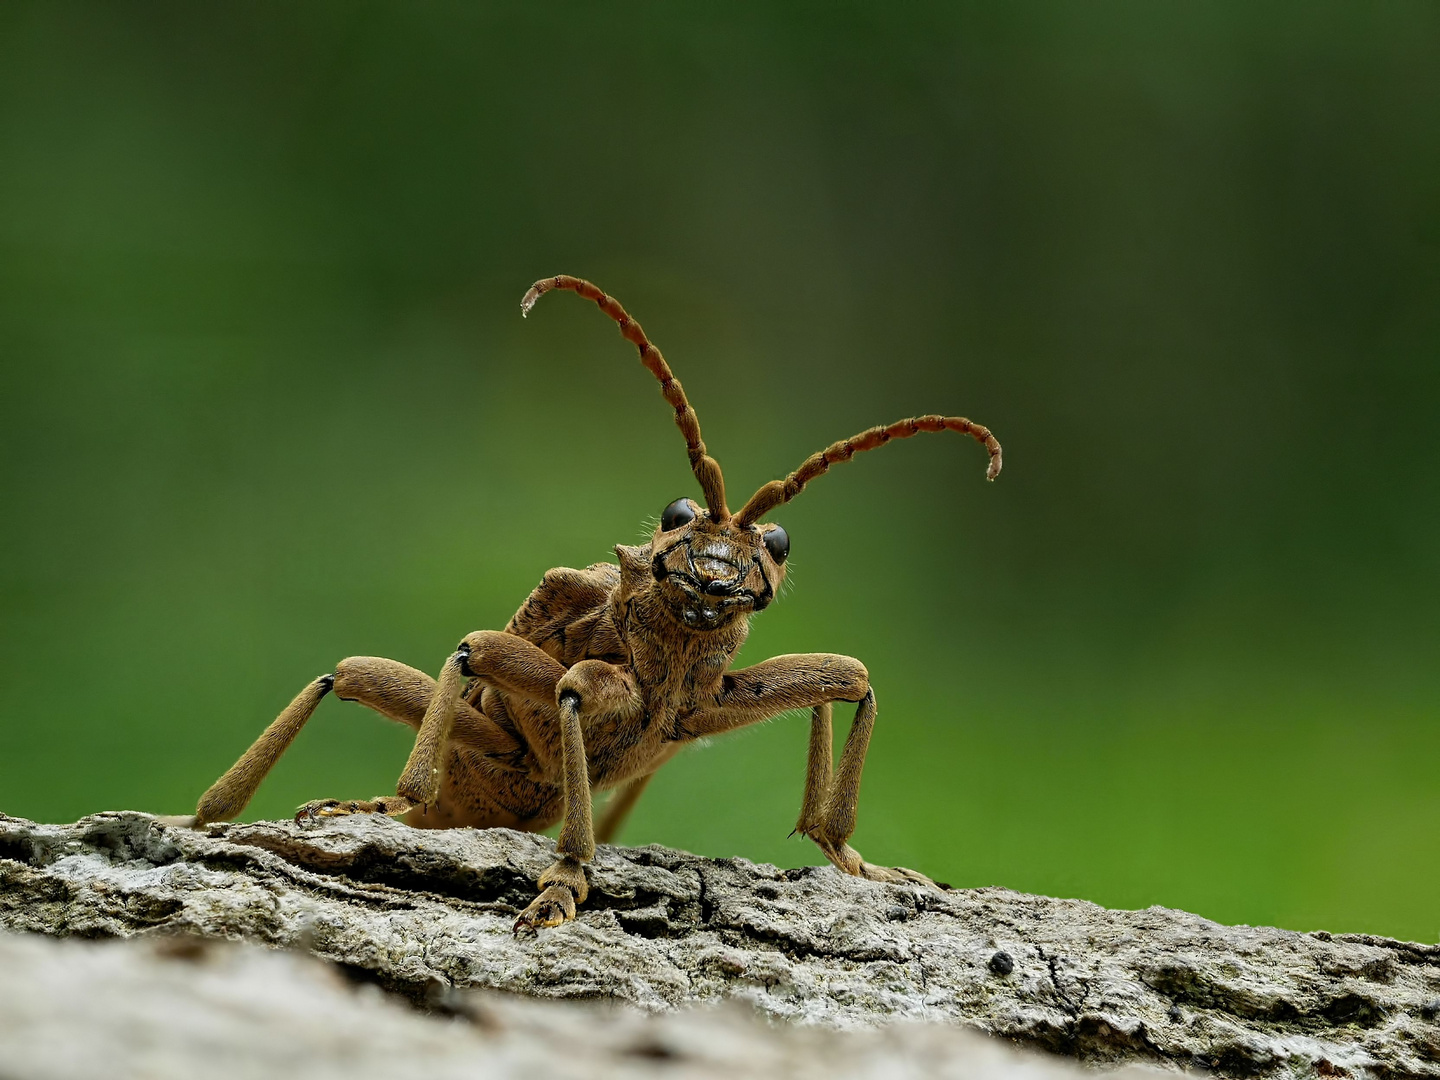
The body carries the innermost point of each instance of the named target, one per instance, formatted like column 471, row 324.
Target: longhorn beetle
column 604, row 673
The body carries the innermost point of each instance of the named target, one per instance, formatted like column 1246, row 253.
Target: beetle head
column 709, row 572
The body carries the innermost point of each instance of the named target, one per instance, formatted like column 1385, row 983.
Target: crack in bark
column 1050, row 963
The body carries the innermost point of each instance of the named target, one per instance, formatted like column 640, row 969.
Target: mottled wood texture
column 427, row 914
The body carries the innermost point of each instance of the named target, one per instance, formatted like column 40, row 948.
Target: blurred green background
column 266, row 400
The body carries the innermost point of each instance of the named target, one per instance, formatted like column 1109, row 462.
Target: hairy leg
column 228, row 795
column 392, row 689
column 819, row 770
column 832, row 793
column 504, row 660
column 528, row 676
column 588, row 687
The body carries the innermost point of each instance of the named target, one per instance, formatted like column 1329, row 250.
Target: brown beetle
column 604, row 673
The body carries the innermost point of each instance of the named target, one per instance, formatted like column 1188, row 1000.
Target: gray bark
column 429, row 914
column 178, row 1010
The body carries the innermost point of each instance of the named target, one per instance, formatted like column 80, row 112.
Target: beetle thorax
column 675, row 663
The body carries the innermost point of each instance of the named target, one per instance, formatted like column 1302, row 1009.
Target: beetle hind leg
column 392, row 689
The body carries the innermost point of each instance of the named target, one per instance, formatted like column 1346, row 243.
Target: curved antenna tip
column 528, row 301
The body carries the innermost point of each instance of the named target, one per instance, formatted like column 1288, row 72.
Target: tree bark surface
column 429, row 915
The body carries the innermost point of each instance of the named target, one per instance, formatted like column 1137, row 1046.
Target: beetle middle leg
column 832, row 792
column 503, row 660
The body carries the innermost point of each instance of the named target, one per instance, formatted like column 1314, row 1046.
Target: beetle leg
column 390, row 805
column 392, row 689
column 832, row 793
column 590, row 687
column 819, row 770
column 837, row 820
column 563, row 885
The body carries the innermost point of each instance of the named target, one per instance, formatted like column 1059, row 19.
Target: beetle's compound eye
column 777, row 542
column 676, row 514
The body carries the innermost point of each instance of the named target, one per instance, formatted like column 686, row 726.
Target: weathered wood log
column 429, row 914
column 180, row 1008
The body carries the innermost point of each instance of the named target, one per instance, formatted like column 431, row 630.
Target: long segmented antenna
column 706, row 468
column 777, row 492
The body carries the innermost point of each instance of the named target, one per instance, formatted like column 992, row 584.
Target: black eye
column 676, row 514
column 777, row 542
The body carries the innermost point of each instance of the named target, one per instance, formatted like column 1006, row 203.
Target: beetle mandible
column 604, row 673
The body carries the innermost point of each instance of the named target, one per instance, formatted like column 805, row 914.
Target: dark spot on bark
column 1001, row 964
column 652, row 1049
column 1354, row 1009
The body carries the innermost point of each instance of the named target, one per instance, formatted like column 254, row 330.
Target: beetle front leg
column 588, row 688
column 563, row 885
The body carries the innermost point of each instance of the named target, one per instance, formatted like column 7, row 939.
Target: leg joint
column 463, row 652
